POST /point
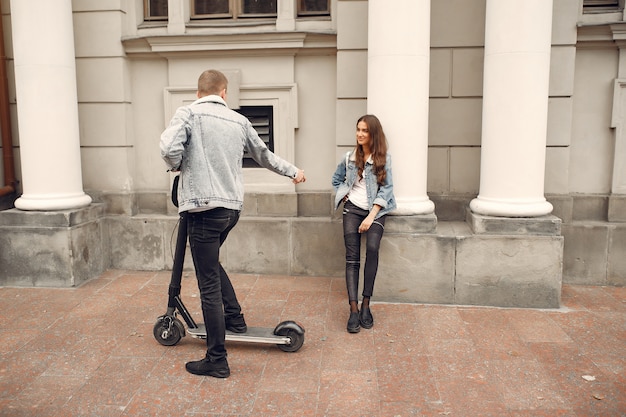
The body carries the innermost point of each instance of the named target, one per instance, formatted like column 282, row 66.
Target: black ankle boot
column 353, row 323
column 365, row 318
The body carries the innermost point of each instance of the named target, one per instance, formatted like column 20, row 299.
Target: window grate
column 262, row 119
column 601, row 5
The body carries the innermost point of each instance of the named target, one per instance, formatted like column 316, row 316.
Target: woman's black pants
column 352, row 218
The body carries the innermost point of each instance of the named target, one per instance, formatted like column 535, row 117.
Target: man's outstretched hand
column 300, row 177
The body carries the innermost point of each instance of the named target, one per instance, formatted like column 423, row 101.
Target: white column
column 618, row 185
column 47, row 107
column 397, row 93
column 515, row 109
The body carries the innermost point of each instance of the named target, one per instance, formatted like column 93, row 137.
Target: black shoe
column 236, row 324
column 353, row 323
column 204, row 366
column 365, row 318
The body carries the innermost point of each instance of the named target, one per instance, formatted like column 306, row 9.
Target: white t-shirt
column 358, row 194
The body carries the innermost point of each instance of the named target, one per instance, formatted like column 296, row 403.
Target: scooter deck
column 254, row 334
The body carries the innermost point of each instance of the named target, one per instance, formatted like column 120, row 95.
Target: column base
column 52, row 202
column 413, row 206
column 52, row 249
column 510, row 207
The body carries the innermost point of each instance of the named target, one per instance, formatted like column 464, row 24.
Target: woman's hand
column 366, row 224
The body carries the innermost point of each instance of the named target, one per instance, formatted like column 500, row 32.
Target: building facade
column 504, row 120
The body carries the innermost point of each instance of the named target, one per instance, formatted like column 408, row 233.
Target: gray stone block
column 423, row 223
column 451, row 208
column 140, row 241
column 616, row 274
column 258, row 246
column 562, row 207
column 585, row 253
column 249, row 206
column 59, row 218
column 617, row 208
column 277, row 205
column 590, row 208
column 117, row 203
column 152, row 203
column 52, row 249
column 318, row 247
column 543, row 225
column 270, row 204
column 314, row 204
column 509, row 271
column 416, row 268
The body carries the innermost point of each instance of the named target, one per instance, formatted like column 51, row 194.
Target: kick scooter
column 168, row 330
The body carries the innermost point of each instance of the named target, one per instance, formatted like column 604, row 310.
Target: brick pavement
column 89, row 351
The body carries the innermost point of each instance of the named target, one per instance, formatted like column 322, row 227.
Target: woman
column 363, row 183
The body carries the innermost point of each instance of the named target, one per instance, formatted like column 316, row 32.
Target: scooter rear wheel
column 168, row 333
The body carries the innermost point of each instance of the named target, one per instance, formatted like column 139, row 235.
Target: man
column 206, row 141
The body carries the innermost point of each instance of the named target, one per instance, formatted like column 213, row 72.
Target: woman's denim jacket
column 347, row 173
column 206, row 141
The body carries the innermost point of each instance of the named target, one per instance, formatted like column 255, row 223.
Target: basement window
column 602, row 6
column 262, row 119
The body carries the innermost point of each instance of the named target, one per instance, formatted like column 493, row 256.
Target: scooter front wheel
column 168, row 330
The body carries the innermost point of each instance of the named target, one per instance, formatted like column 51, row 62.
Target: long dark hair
column 378, row 147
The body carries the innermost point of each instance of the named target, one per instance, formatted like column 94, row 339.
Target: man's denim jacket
column 206, row 141
column 347, row 173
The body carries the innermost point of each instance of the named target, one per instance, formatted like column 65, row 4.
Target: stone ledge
column 423, row 223
column 541, row 226
column 60, row 218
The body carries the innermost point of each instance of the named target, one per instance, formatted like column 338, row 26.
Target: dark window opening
column 155, row 9
column 602, row 5
column 218, row 8
column 262, row 119
column 238, row 9
column 233, row 9
column 250, row 7
column 313, row 7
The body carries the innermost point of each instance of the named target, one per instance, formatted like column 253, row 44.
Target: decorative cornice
column 601, row 34
column 244, row 43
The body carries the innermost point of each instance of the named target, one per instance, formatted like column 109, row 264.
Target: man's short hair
column 212, row 82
